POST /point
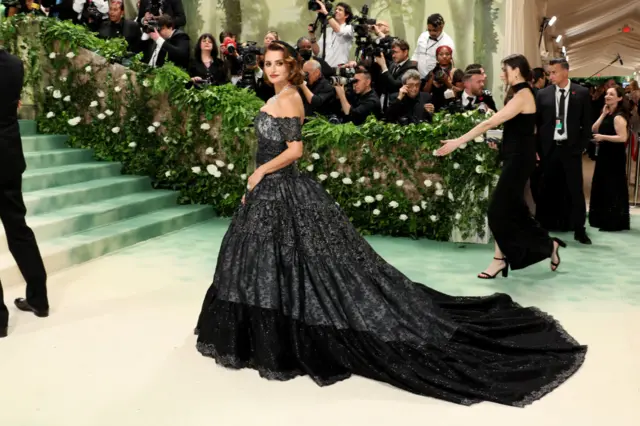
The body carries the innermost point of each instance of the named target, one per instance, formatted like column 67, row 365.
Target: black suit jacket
column 410, row 108
column 578, row 125
column 391, row 81
column 127, row 29
column 175, row 49
column 173, row 8
column 12, row 162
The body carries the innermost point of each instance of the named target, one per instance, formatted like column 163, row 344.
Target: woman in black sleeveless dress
column 609, row 204
column 519, row 239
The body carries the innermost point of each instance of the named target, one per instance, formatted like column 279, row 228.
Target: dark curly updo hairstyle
column 296, row 76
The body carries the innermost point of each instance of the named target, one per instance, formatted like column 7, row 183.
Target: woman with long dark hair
column 519, row 239
column 206, row 67
column 609, row 203
column 298, row 291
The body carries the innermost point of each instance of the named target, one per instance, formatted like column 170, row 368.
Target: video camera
column 365, row 45
column 313, row 6
column 150, row 26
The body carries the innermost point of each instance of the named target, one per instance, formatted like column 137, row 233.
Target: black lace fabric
column 297, row 291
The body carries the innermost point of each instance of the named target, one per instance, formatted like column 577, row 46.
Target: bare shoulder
column 291, row 105
column 620, row 120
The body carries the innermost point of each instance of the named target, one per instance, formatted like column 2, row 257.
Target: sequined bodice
column 273, row 133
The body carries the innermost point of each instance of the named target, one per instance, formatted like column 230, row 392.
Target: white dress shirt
column 338, row 45
column 567, row 92
column 425, row 53
column 465, row 99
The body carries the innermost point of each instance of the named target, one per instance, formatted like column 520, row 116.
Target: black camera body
column 313, row 6
column 365, row 45
column 150, row 26
column 249, row 52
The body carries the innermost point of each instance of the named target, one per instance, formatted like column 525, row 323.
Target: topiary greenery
column 201, row 142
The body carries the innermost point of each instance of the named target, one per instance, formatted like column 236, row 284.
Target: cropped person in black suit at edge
column 410, row 105
column 118, row 26
column 318, row 96
column 167, row 44
column 20, row 238
column 206, row 66
column 564, row 131
column 390, row 78
column 173, row 8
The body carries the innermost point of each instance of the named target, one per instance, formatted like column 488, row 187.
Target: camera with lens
column 385, row 48
column 150, row 26
column 313, row 5
column 249, row 52
column 365, row 46
column 439, row 74
column 344, row 72
column 341, row 81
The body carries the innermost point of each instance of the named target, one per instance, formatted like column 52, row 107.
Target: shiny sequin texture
column 297, row 291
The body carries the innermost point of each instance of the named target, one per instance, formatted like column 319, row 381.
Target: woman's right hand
column 605, row 110
column 196, row 79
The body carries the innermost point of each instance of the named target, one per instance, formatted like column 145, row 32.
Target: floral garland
column 200, row 142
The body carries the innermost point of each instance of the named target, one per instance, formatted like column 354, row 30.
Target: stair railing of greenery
column 201, row 142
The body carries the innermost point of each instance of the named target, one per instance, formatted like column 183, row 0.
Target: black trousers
column 565, row 161
column 23, row 247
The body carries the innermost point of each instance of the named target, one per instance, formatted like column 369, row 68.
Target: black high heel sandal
column 504, row 270
column 554, row 265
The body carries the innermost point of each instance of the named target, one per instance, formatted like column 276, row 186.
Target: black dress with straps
column 519, row 236
column 298, row 291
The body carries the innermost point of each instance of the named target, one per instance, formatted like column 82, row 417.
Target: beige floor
column 118, row 349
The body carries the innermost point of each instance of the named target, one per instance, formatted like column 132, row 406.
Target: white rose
column 52, row 55
column 315, row 156
column 369, row 199
column 450, row 195
column 109, row 112
column 479, row 158
column 219, row 163
column 415, row 209
column 423, row 204
column 403, row 217
column 212, row 169
column 225, row 196
column 57, row 94
column 376, row 175
column 116, row 130
column 463, row 146
column 87, row 68
column 151, row 129
column 49, row 88
column 440, row 192
column 208, row 151
column 399, row 182
column 156, row 124
column 347, row 181
column 457, row 216
column 376, row 212
column 342, row 160
column 479, row 169
column 71, row 55
column 479, row 139
column 334, row 175
column 217, row 174
column 117, row 89
column 433, row 218
column 100, row 94
column 394, row 204
column 167, row 173
column 428, row 183
column 438, row 185
column 322, row 177
column 379, row 197
column 146, row 83
column 357, row 203
column 230, row 166
column 205, row 126
column 361, row 179
column 456, row 166
column 63, row 79
column 67, row 99
column 196, row 170
column 74, row 121
column 93, row 104
column 51, row 114
column 101, row 116
column 132, row 145
column 243, row 176
column 435, row 153
column 124, row 77
column 310, row 168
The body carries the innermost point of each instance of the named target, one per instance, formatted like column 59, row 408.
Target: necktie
column 469, row 102
column 561, row 112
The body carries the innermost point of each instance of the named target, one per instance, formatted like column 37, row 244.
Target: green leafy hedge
column 201, row 143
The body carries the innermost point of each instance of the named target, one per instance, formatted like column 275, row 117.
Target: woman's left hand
column 255, row 179
column 448, row 147
column 598, row 137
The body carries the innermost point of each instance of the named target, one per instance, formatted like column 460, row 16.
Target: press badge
column 558, row 124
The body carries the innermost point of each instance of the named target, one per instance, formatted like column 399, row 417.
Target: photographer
column 168, row 44
column 152, row 10
column 411, row 105
column 429, row 41
column 91, row 13
column 335, row 46
column 318, row 94
column 305, row 53
column 363, row 102
column 23, row 6
column 439, row 82
column 117, row 26
column 391, row 80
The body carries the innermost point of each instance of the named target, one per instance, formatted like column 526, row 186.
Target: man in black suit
column 167, row 44
column 389, row 81
column 154, row 9
column 410, row 105
column 21, row 241
column 564, row 132
column 117, row 26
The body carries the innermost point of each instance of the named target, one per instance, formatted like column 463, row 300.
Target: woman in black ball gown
column 297, row 291
column 609, row 203
column 519, row 239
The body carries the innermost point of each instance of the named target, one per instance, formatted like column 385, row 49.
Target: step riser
column 28, row 127
column 43, row 143
column 35, row 183
column 63, row 200
column 62, row 158
column 64, row 258
column 86, row 221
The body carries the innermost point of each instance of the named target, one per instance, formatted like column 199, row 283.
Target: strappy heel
column 504, row 270
column 554, row 265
